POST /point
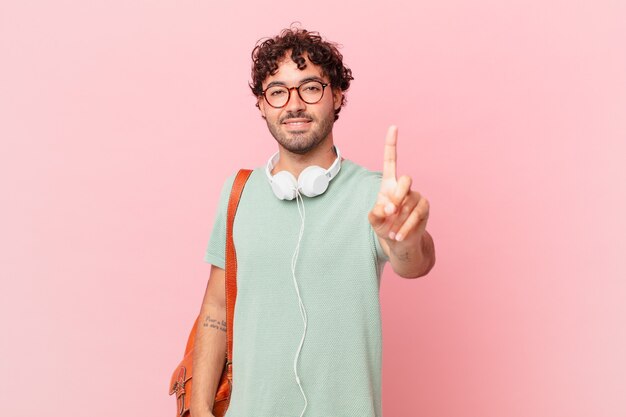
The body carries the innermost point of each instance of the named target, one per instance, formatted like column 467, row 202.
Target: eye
column 312, row 87
column 277, row 92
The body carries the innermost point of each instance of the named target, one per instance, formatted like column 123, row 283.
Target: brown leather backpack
column 181, row 381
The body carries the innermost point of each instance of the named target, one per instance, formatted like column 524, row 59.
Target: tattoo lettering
column 214, row 324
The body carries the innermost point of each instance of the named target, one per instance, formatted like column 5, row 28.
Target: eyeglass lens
column 310, row 92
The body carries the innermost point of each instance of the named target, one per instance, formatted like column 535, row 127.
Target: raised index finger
column 389, row 164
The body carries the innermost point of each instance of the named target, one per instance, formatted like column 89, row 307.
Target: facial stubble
column 302, row 142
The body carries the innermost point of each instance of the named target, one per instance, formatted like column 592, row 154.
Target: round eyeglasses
column 310, row 92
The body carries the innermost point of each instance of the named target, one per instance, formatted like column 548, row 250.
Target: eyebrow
column 307, row 79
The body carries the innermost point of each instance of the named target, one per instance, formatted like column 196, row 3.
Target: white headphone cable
column 302, row 310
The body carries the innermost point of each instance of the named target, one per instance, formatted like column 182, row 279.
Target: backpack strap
column 231, row 263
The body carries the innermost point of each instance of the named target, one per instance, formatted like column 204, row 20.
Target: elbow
column 420, row 272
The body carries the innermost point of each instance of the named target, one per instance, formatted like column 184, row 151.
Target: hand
column 399, row 213
column 201, row 412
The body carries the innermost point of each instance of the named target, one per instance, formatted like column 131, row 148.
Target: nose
column 295, row 103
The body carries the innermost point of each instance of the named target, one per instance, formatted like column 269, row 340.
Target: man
column 307, row 334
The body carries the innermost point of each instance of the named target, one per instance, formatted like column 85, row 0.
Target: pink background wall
column 119, row 121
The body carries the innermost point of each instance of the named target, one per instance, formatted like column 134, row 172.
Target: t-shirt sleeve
column 216, row 248
column 373, row 187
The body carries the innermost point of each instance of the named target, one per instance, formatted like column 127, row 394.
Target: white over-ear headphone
column 311, row 182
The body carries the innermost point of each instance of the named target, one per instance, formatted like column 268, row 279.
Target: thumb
column 377, row 215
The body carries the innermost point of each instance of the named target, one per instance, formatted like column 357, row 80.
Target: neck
column 323, row 155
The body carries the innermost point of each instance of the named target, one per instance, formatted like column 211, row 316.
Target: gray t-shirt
column 338, row 273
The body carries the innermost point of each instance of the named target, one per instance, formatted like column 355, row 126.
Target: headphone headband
column 331, row 172
column 313, row 179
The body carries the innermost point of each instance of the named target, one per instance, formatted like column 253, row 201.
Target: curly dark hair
column 267, row 53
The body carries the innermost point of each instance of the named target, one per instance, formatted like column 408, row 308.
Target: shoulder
column 361, row 177
column 227, row 184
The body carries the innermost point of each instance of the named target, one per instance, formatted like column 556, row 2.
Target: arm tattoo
column 214, row 324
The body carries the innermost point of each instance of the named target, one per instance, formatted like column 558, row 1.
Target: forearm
column 209, row 357
column 412, row 257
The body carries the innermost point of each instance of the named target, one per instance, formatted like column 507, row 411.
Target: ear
column 337, row 98
column 260, row 103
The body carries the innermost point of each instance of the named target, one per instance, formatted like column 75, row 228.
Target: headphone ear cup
column 313, row 181
column 284, row 185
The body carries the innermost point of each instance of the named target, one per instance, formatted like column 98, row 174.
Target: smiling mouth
column 296, row 122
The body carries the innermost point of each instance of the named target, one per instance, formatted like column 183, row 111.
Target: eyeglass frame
column 324, row 85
